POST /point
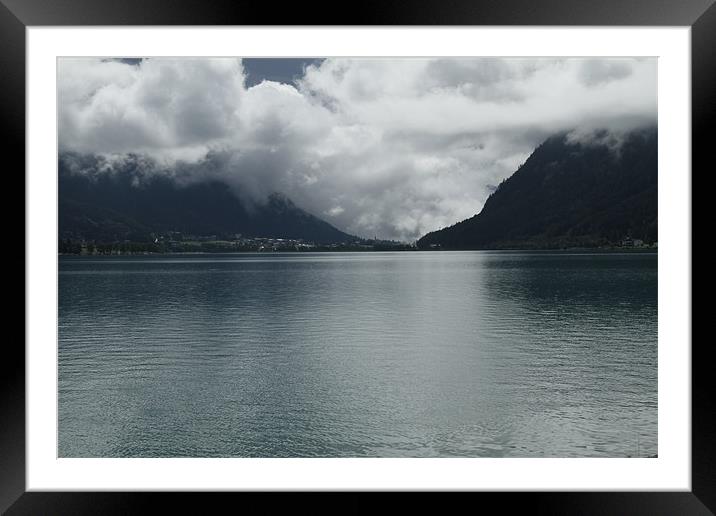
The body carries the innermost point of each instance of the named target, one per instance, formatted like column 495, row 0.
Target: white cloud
column 393, row 147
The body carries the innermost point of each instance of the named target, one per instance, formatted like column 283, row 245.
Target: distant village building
column 633, row 242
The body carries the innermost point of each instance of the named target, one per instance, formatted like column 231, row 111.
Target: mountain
column 117, row 203
column 568, row 194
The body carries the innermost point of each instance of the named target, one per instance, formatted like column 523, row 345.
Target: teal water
column 413, row 354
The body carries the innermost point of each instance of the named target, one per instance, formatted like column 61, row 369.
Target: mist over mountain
column 575, row 190
column 391, row 148
column 129, row 200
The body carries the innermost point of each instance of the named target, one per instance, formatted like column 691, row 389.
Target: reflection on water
column 471, row 354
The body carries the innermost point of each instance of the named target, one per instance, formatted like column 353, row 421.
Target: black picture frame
column 16, row 15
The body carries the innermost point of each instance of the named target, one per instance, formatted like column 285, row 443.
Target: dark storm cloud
column 387, row 147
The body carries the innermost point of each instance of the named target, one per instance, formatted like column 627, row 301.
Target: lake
column 412, row 354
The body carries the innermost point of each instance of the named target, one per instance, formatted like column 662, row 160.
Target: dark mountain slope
column 566, row 195
column 127, row 204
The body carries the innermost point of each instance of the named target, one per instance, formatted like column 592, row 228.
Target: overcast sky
column 387, row 147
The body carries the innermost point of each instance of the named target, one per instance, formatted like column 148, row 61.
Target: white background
column 672, row 468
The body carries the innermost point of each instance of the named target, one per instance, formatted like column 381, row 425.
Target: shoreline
column 592, row 250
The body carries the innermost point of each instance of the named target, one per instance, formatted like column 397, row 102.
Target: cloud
column 387, row 147
column 599, row 71
column 159, row 105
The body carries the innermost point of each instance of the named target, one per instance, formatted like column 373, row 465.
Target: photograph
column 434, row 249
column 349, row 257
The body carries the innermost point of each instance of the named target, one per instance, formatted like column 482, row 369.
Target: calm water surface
column 480, row 354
